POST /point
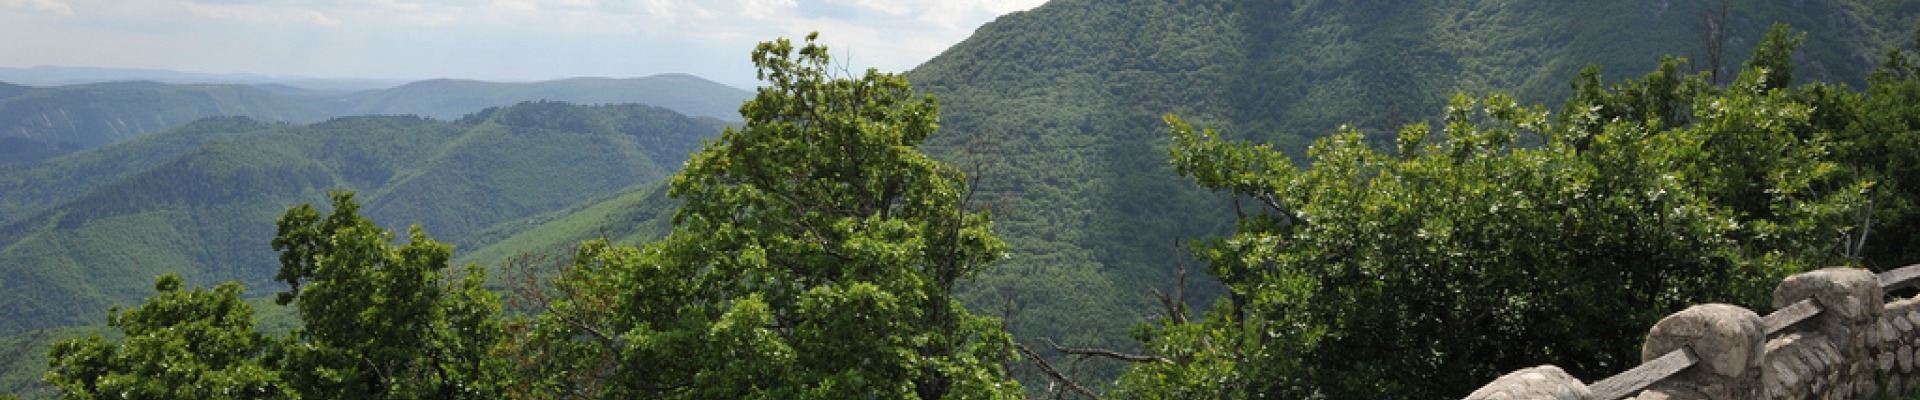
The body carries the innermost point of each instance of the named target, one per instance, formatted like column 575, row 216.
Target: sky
column 499, row 40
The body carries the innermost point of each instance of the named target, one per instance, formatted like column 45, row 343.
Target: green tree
column 180, row 344
column 381, row 321
column 1882, row 143
column 1500, row 239
column 815, row 257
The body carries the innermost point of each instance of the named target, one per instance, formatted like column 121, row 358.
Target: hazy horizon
column 497, row 40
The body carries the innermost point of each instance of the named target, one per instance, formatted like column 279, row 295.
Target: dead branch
column 1091, row 352
column 1054, row 374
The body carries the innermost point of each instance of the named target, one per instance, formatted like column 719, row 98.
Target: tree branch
column 1090, row 352
column 1053, row 373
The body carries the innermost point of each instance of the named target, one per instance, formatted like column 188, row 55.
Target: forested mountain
column 1055, row 112
column 1058, row 114
column 38, row 123
column 200, row 199
column 1063, row 106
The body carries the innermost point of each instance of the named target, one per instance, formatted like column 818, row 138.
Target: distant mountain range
column 37, row 123
column 49, row 75
column 1056, row 111
column 63, row 76
column 82, row 232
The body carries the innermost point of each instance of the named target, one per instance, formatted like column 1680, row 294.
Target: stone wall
column 1833, row 335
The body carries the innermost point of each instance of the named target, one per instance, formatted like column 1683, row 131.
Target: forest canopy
column 818, row 252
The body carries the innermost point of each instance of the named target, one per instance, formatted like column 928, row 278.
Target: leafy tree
column 382, row 321
column 180, row 344
column 1882, row 143
column 815, row 257
column 566, row 345
column 379, row 322
column 1502, row 239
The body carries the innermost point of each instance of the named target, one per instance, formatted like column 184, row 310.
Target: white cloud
column 48, row 6
column 320, row 18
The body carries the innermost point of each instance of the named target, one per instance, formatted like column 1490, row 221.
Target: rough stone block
column 1537, row 383
column 1849, row 294
column 1729, row 339
column 1886, row 360
column 1668, row 391
column 1905, row 353
column 1785, row 374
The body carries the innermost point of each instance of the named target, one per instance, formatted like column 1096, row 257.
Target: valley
column 1056, row 118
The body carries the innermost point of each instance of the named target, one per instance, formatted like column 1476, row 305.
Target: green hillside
column 1056, row 111
column 1066, row 109
column 39, row 123
column 207, row 212
column 1058, row 114
column 635, row 215
column 28, row 189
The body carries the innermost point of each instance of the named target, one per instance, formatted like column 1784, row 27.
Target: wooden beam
column 1630, row 383
column 1900, row 277
column 1782, row 318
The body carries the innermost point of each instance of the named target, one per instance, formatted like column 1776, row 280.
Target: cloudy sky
column 513, row 40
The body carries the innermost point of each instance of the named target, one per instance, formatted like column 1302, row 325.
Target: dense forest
column 817, row 255
column 1246, row 202
column 198, row 199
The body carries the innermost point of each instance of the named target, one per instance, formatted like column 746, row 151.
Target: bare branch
column 1054, row 374
column 1090, row 352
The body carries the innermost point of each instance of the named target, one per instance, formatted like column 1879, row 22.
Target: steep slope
column 531, row 158
column 1063, row 102
column 40, row 123
column 452, row 98
column 635, row 215
column 28, row 189
column 1057, row 112
column 208, row 212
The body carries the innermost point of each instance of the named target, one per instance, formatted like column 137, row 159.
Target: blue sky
column 508, row 40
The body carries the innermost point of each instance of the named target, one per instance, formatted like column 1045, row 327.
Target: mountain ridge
column 39, row 123
column 207, row 208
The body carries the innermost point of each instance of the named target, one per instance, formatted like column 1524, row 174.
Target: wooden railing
column 1628, row 383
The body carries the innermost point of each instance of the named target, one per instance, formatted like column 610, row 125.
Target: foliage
column 1880, row 138
column 1061, row 111
column 380, row 321
column 1052, row 112
column 815, row 257
column 377, row 321
column 180, row 344
column 1467, row 252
